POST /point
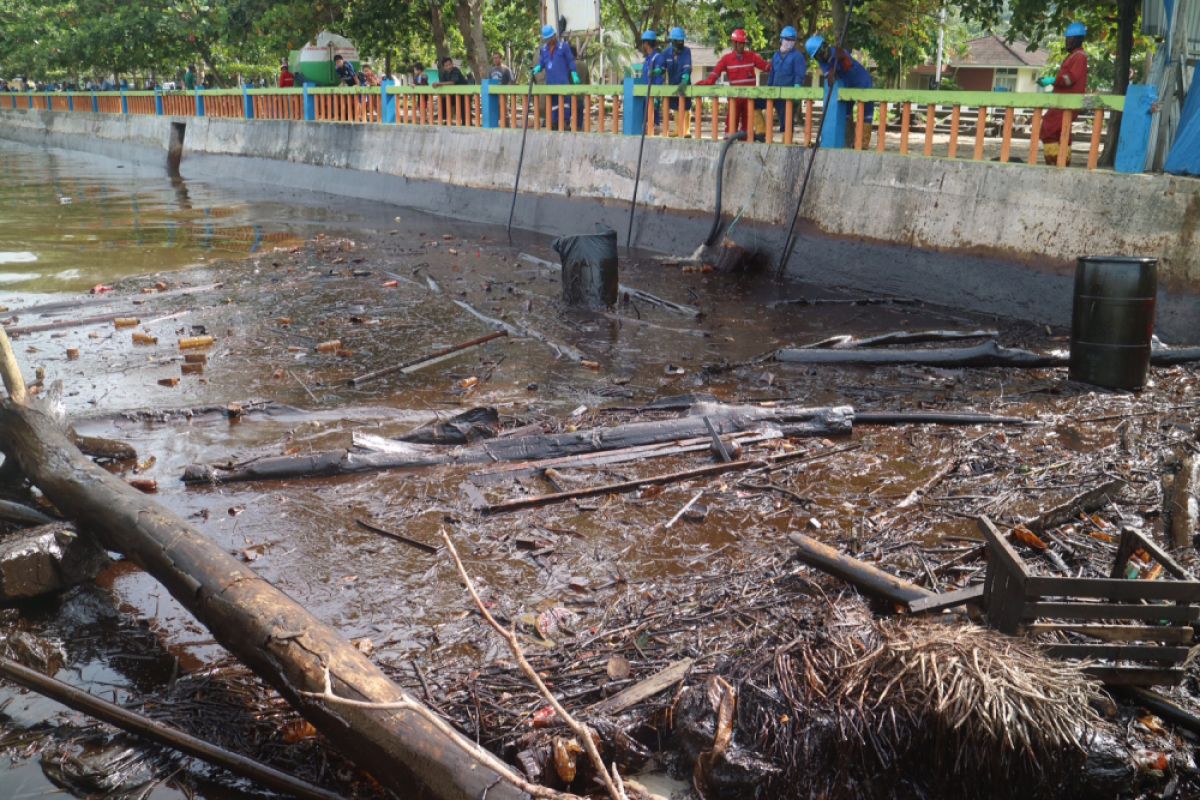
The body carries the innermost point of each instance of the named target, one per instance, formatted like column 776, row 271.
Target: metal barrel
column 1113, row 320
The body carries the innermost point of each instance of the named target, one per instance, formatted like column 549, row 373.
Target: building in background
column 989, row 64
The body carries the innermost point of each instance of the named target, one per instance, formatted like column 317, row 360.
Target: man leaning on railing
column 1072, row 78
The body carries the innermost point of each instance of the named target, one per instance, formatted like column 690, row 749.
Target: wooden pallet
column 1142, row 628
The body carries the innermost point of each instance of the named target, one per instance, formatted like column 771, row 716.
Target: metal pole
column 937, row 70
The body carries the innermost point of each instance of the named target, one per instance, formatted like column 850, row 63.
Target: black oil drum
column 1113, row 320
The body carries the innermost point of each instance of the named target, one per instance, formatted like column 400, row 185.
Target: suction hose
column 716, row 226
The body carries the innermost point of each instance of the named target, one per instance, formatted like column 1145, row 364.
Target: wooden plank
column 1153, row 613
column 930, row 122
column 1093, row 151
column 941, row 602
column 859, row 123
column 1157, row 553
column 882, row 125
column 980, row 126
column 1005, row 554
column 769, row 126
column 1119, row 652
column 642, row 690
column 808, row 122
column 990, row 99
column 698, row 119
column 1064, row 139
column 955, row 116
column 789, row 120
column 1179, row 634
column 1136, row 676
column 1112, row 588
column 1006, row 142
column 905, row 122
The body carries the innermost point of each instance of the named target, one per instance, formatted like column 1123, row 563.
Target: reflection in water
column 72, row 221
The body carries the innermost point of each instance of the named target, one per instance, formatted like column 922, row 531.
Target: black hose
column 729, row 140
column 520, row 158
column 789, row 243
column 638, row 175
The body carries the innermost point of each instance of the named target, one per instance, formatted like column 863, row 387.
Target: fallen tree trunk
column 870, row 579
column 267, row 630
column 374, row 453
column 127, row 720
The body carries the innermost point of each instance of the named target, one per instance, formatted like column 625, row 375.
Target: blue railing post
column 31, row 99
column 387, row 104
column 124, row 103
column 70, row 102
column 247, row 103
column 634, row 111
column 1134, row 140
column 310, row 104
column 489, row 104
column 835, row 122
column 199, row 104
column 158, row 102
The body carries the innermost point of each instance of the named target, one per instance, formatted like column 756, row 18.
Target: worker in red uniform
column 1072, row 78
column 740, row 66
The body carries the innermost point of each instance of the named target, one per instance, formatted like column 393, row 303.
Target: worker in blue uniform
column 558, row 62
column 788, row 69
column 677, row 60
column 653, row 71
column 838, row 65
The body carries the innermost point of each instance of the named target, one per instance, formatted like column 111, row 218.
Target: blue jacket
column 559, row 65
column 787, row 69
column 678, row 64
column 652, row 62
column 852, row 74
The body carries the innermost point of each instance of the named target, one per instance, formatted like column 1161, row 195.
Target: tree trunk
column 1127, row 14
column 838, row 9
column 272, row 634
column 470, row 25
column 438, row 30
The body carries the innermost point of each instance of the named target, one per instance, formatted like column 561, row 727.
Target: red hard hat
column 738, row 35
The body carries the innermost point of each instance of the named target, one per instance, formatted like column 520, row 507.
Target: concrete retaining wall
column 987, row 236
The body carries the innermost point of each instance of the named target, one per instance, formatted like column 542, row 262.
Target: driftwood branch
column 10, row 370
column 139, row 725
column 582, row 732
column 434, row 356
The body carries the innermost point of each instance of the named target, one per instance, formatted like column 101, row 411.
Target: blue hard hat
column 1076, row 29
column 547, row 31
column 677, row 34
column 649, row 36
column 788, row 33
column 813, row 45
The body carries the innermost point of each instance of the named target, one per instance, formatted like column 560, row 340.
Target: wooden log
column 374, row 453
column 1087, row 501
column 267, row 630
column 989, row 354
column 1182, row 506
column 866, row 577
column 139, row 725
column 437, row 354
column 643, row 690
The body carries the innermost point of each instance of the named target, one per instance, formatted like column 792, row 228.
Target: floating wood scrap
column 636, row 294
column 867, row 577
column 157, row 732
column 425, row 360
column 272, row 634
column 371, row 453
column 848, row 342
column 988, row 354
column 1015, row 600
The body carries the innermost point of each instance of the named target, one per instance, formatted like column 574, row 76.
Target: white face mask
column 787, row 45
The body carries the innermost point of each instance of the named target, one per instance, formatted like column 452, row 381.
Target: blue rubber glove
column 1046, row 80
column 537, row 69
column 575, row 78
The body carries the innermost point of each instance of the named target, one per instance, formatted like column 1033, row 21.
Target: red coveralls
column 740, row 69
column 1075, row 66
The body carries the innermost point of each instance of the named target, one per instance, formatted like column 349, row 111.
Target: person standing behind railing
column 788, row 69
column 499, row 73
column 677, row 59
column 189, row 78
column 558, row 62
column 1072, row 78
column 652, row 68
column 740, row 65
column 287, row 78
column 838, row 65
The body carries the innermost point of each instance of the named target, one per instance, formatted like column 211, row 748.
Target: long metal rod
column 637, row 177
column 520, row 158
column 789, row 243
column 126, row 720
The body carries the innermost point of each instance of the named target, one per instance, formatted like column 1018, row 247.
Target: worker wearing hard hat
column 838, row 65
column 1072, row 78
column 740, row 66
column 653, row 71
column 788, row 68
column 558, row 62
column 677, row 59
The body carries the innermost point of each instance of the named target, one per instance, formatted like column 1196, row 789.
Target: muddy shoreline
column 719, row 587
